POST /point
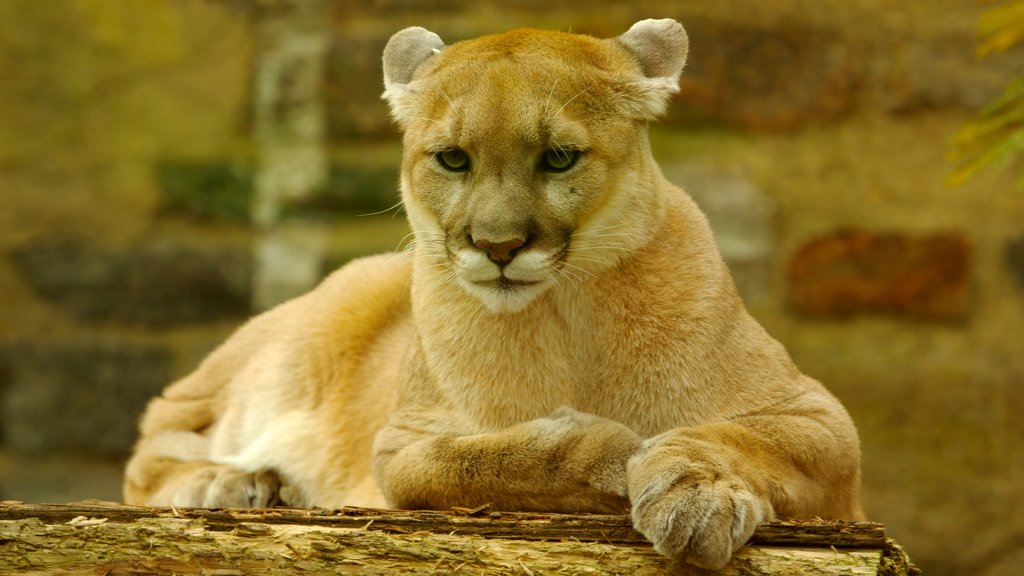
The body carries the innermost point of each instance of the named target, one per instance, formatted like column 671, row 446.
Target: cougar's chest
column 500, row 369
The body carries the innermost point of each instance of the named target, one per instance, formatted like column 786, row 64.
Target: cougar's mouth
column 505, row 284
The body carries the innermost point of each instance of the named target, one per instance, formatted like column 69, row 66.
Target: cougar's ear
column 404, row 53
column 660, row 46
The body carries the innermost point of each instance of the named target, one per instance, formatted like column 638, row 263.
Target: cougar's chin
column 504, row 295
column 508, row 288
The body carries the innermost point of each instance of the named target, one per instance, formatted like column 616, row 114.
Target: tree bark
column 108, row 539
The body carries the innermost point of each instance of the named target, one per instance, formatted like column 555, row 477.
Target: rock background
column 813, row 132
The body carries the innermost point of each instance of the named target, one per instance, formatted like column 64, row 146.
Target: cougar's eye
column 558, row 160
column 453, row 159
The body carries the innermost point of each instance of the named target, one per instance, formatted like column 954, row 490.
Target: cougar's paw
column 696, row 515
column 231, row 488
column 292, row 496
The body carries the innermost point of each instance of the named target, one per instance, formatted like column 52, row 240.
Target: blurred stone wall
column 813, row 133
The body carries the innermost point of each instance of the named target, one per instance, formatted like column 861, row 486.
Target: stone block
column 768, row 78
column 1014, row 257
column 289, row 262
column 352, row 86
column 78, row 397
column 60, row 477
column 938, row 72
column 742, row 218
column 853, row 272
column 216, row 191
column 159, row 282
column 219, row 191
column 350, row 190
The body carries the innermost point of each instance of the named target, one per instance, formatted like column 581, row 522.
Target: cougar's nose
column 500, row 252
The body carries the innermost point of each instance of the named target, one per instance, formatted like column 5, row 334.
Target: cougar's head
column 526, row 163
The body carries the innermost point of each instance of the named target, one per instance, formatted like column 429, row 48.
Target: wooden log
column 108, row 539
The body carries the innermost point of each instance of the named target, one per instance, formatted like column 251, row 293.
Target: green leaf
column 1001, row 28
column 996, row 135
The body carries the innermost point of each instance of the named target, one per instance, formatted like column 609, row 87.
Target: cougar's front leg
column 698, row 492
column 568, row 462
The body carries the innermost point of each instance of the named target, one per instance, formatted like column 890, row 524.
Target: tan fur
column 606, row 365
